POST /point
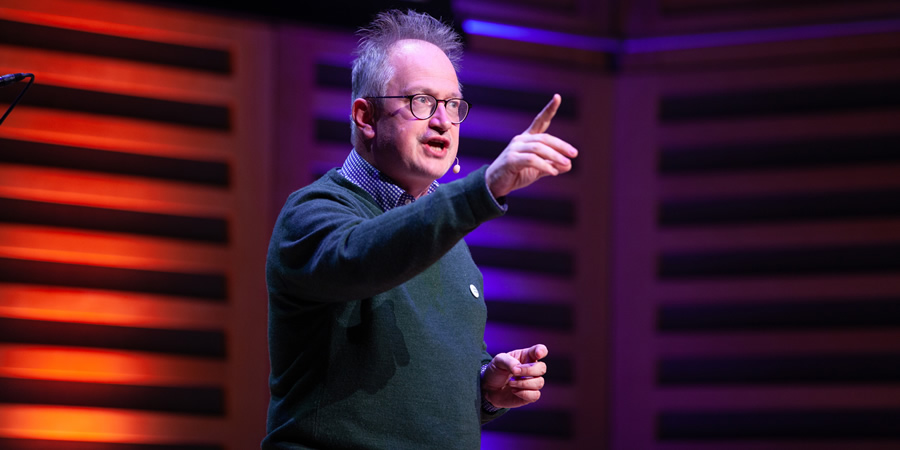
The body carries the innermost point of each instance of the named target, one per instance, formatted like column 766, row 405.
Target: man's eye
column 453, row 104
column 422, row 99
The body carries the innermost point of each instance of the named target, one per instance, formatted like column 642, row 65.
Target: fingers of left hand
column 535, row 369
column 527, row 383
column 529, row 395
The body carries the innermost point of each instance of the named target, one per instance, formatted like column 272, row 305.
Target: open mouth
column 438, row 145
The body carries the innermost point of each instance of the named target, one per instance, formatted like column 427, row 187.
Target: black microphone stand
column 13, row 78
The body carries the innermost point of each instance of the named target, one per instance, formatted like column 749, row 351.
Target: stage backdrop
column 719, row 271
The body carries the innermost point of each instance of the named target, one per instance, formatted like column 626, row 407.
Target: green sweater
column 376, row 334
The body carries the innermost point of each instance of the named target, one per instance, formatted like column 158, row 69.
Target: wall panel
column 126, row 174
column 755, row 285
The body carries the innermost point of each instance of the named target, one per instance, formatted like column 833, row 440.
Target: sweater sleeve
column 331, row 243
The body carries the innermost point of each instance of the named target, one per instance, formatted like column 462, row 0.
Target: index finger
column 543, row 119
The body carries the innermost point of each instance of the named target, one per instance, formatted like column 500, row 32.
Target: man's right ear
column 363, row 114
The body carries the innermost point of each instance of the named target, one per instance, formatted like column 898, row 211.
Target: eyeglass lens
column 423, row 107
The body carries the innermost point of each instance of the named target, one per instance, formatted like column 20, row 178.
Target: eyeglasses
column 423, row 106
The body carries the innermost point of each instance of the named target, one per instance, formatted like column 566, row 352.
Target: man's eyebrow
column 432, row 92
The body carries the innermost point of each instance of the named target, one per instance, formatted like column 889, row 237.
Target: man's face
column 411, row 151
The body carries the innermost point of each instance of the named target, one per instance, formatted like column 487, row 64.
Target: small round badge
column 474, row 290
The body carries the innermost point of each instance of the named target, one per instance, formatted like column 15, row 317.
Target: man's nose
column 441, row 117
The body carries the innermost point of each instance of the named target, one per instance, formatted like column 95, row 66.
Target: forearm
column 326, row 244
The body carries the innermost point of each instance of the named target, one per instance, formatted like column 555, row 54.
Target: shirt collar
column 386, row 194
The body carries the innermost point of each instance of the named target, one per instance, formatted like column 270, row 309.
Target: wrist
column 486, row 404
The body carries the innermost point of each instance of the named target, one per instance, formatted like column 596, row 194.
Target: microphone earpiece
column 456, row 167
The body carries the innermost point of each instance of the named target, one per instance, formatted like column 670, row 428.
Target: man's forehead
column 421, row 66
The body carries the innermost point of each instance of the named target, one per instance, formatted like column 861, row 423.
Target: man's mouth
column 438, row 144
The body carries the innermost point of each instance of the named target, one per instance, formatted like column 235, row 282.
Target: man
column 376, row 313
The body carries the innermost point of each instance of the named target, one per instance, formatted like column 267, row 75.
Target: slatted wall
column 131, row 249
column 720, row 270
column 757, row 277
column 532, row 258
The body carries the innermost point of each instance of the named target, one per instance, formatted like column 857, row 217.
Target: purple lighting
column 537, row 36
column 679, row 42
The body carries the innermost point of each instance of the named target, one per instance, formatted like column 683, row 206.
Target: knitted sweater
column 376, row 319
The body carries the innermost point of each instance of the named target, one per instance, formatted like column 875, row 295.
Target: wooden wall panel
column 755, row 282
column 127, row 174
column 723, row 253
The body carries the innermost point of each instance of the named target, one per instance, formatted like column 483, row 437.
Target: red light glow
column 106, row 366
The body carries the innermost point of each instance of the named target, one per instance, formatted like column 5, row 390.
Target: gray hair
column 371, row 71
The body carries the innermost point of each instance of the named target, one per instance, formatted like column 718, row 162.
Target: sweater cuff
column 485, row 404
column 481, row 200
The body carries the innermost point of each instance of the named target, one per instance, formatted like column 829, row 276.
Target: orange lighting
column 106, row 366
column 103, row 425
column 108, row 308
column 110, row 250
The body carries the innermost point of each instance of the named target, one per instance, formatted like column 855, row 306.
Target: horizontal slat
column 128, row 21
column 759, row 236
column 781, row 208
column 513, row 232
column 111, row 191
column 781, row 343
column 777, row 397
column 204, row 343
column 102, row 249
column 819, row 74
column 544, row 316
column 782, row 100
column 557, row 394
column 207, row 286
column 787, row 444
column 739, row 6
column 212, row 173
column 519, row 441
column 120, row 76
column 103, row 219
column 555, row 424
column 182, row 400
column 43, row 444
column 526, row 287
column 760, row 130
column 117, row 134
column 849, row 313
column 106, row 307
column 805, row 288
column 869, row 368
column 39, row 362
column 781, row 262
column 786, row 182
column 802, row 423
column 94, row 101
column 561, row 345
column 107, row 425
column 548, row 262
column 736, row 157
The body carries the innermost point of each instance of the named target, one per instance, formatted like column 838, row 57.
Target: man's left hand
column 515, row 378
